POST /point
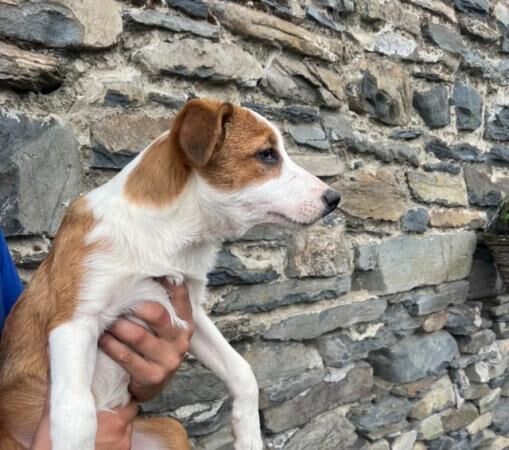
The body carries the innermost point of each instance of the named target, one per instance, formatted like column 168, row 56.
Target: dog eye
column 268, row 156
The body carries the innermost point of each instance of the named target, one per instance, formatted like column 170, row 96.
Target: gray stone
column 370, row 417
column 29, row 71
column 311, row 135
column 406, row 441
column 310, row 323
column 482, row 191
column 442, row 167
column 430, row 428
column 323, row 18
column 330, row 430
column 501, row 417
column 341, row 348
column 481, row 7
column 442, row 189
column 193, row 8
column 390, row 43
column 437, row 299
column 341, row 390
column 445, row 37
column 32, row 152
column 270, row 29
column 201, row 59
column 282, row 390
column 468, row 105
column 375, row 195
column 118, row 138
column 319, row 164
column 501, row 329
column 63, row 23
column 319, row 252
column 440, row 396
column 475, row 342
column 265, row 297
column 499, row 154
column 291, row 113
column 389, row 106
column 229, row 269
column 454, row 419
column 448, row 443
column 415, row 357
column 488, row 402
column 191, row 384
column 478, row 28
column 497, row 125
column 458, row 152
column 397, row 319
column 394, row 260
column 433, row 106
column 219, row 440
column 173, row 22
column 464, row 319
column 415, row 220
column 405, row 134
column 278, row 361
column 484, row 371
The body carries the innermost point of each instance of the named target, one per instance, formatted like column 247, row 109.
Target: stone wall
column 381, row 327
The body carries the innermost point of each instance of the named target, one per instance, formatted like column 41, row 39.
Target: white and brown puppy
column 219, row 171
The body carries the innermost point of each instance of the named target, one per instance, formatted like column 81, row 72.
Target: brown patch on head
column 48, row 301
column 159, row 177
column 218, row 140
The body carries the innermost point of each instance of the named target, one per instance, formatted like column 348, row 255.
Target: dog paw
column 248, row 442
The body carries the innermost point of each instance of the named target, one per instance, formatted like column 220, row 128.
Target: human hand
column 151, row 357
column 114, row 429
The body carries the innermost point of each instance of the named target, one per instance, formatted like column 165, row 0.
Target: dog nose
column 331, row 199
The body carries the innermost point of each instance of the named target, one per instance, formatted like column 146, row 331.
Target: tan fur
column 49, row 300
column 167, row 431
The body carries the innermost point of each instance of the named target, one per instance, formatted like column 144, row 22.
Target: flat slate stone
column 433, row 106
column 415, row 220
column 193, row 8
column 497, row 125
column 415, row 357
column 437, row 299
column 173, row 22
column 405, row 134
column 265, row 27
column 442, row 189
column 31, row 153
column 468, row 105
column 389, row 410
column 481, row 7
column 63, row 23
column 482, row 191
column 400, row 264
column 445, row 37
column 459, row 152
column 350, row 387
column 265, row 297
column 200, row 58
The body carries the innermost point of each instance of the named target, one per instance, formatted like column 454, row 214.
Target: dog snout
column 331, row 199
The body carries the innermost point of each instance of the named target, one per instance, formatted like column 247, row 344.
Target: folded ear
column 199, row 129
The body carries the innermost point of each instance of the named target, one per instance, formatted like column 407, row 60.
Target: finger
column 135, row 336
column 179, row 296
column 137, row 366
column 127, row 413
column 158, row 319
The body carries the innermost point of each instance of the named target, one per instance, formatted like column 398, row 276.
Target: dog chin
column 281, row 219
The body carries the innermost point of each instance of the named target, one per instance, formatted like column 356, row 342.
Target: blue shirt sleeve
column 10, row 283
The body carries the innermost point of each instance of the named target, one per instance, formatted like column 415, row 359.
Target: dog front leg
column 73, row 349
column 210, row 347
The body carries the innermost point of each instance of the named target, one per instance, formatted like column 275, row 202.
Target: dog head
column 240, row 158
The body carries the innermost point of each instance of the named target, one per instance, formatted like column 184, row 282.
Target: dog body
column 219, row 171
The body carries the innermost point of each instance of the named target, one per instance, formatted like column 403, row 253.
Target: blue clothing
column 10, row 284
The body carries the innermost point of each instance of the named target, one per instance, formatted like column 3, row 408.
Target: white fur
column 179, row 242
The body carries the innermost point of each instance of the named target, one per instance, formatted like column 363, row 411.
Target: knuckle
column 157, row 376
column 124, row 357
column 158, row 314
column 138, row 336
column 173, row 363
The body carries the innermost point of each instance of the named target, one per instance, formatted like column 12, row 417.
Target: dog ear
column 199, row 129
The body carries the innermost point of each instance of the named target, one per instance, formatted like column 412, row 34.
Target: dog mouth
column 281, row 219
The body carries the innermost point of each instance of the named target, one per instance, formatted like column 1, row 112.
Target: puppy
column 220, row 170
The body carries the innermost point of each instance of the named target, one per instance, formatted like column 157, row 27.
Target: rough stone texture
column 200, row 59
column 117, row 139
column 390, row 266
column 433, row 106
column 92, row 83
column 33, row 152
column 438, row 188
column 415, row 357
column 372, row 195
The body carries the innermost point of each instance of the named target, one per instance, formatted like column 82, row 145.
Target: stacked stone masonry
column 385, row 325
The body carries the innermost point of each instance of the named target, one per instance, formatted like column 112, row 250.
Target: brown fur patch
column 168, row 431
column 159, row 177
column 48, row 301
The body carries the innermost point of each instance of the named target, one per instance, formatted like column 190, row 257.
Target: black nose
column 331, row 199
